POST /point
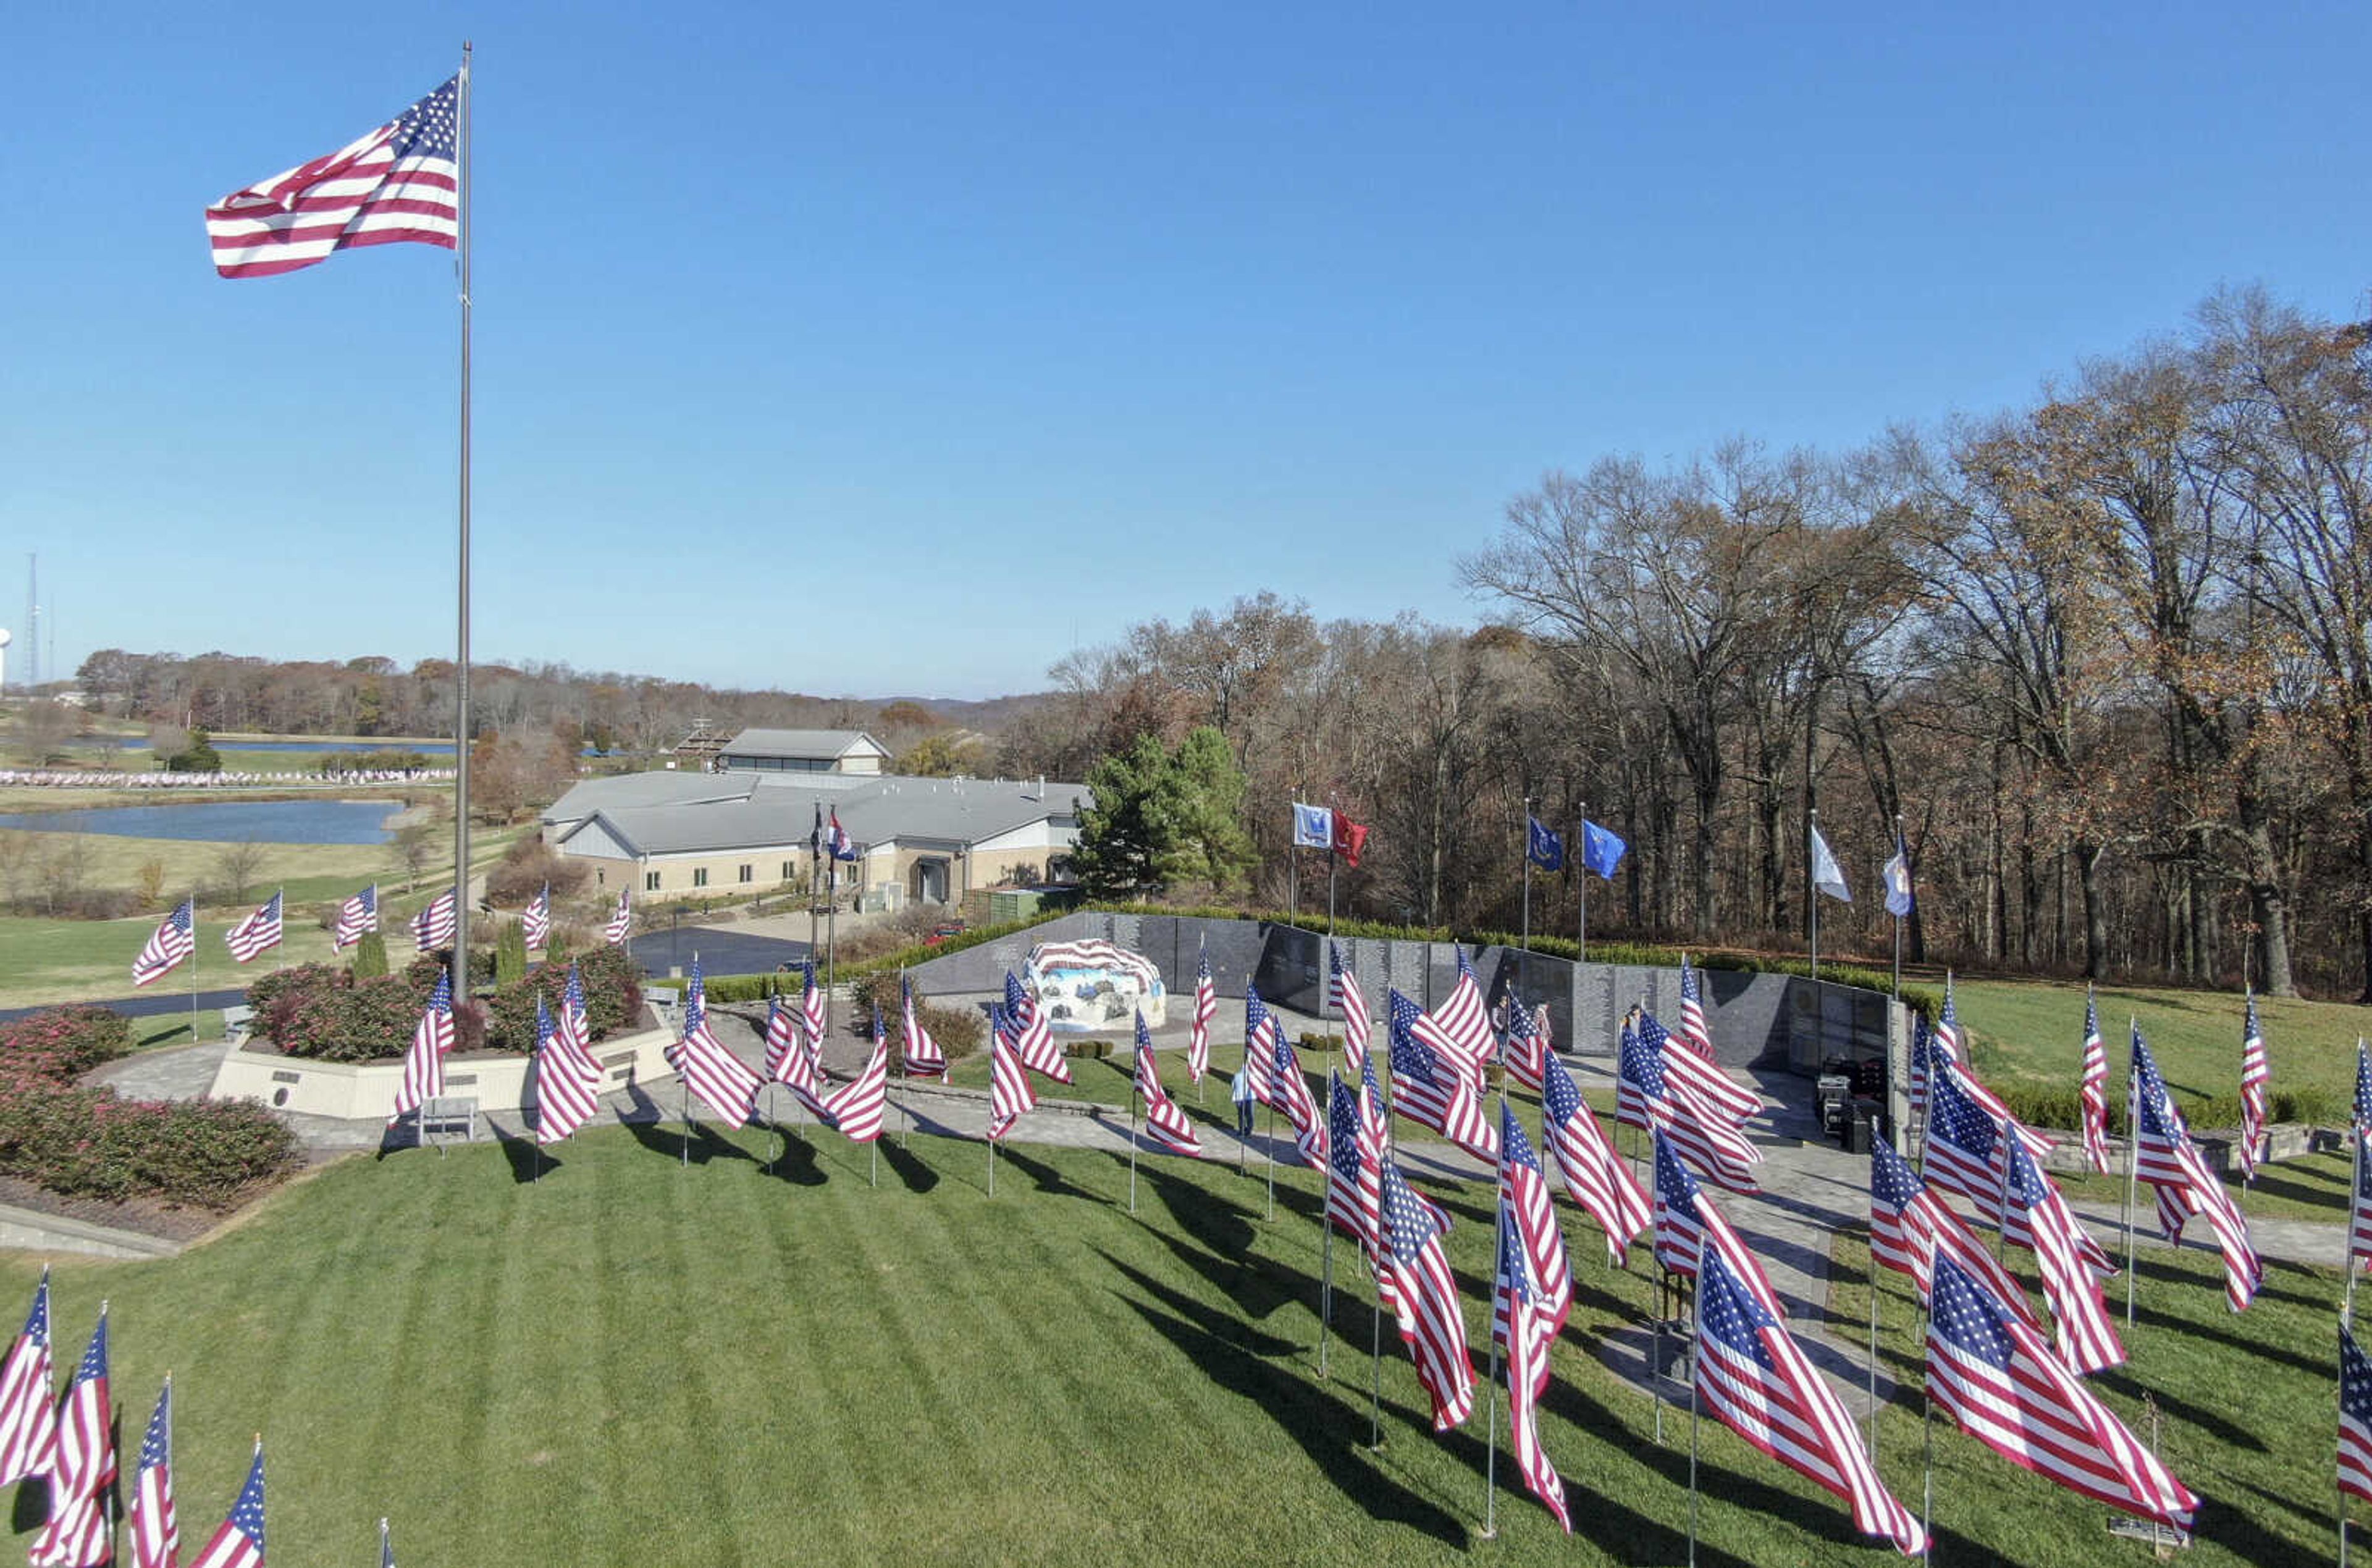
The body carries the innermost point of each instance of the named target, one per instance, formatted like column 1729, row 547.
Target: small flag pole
column 194, row 944
column 1693, row 1420
column 1898, row 919
column 992, row 1152
column 1926, row 1463
column 1655, row 1365
column 1581, row 887
column 2133, row 1160
column 1524, row 965
column 1811, row 893
column 1326, row 1255
column 2001, row 1227
column 1269, row 1146
column 1132, row 1127
column 1873, row 1348
column 2354, row 1187
column 1491, row 1392
column 683, row 1078
column 1202, row 1084
column 384, row 1554
column 1376, row 1340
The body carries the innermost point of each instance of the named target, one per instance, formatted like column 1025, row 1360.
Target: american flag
column 433, row 927
column 1997, row 1378
column 401, row 183
column 1755, row 1379
column 1460, row 1027
column 857, row 1107
column 2094, row 1093
column 1699, row 1077
column 1351, row 1001
column 1702, row 1133
column 1260, row 1034
column 2359, row 1208
column 1010, row 1094
column 576, row 1020
column 537, row 918
column 2363, row 1114
column 1163, row 1119
column 1594, row 1177
column 1033, row 1039
column 723, row 1081
column 1922, row 1057
column 1424, row 1300
column 85, row 1442
column 1524, row 1326
column 424, row 1064
column 567, row 1084
column 2070, row 1261
column 28, row 1418
column 1430, row 1090
column 790, row 1061
column 2256, row 1075
column 1206, row 1008
column 2167, row 1159
column 356, row 915
column 2354, row 1418
column 812, row 1005
column 622, row 919
column 1964, row 1153
column 155, row 1531
column 917, row 1051
column 75, row 1537
column 1909, row 1227
column 1678, row 1232
column 239, row 1542
column 175, row 939
column 1349, row 1176
column 1292, row 1092
column 1524, row 1193
column 1526, row 1042
column 1949, row 1047
column 1693, row 1033
column 257, row 932
column 1374, row 1136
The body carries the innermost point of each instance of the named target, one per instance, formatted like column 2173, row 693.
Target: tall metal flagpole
column 1873, row 1355
column 1326, row 1252
column 682, row 1074
column 2355, row 1186
column 1581, row 887
column 1524, row 965
column 1693, row 1457
column 1490, row 1387
column 1132, row 1127
column 194, row 944
column 1811, row 892
column 462, row 655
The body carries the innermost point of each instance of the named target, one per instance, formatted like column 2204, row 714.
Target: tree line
column 2106, row 657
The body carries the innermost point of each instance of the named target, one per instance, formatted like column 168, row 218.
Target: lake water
column 227, row 821
column 140, row 742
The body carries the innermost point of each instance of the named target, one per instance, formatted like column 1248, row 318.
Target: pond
column 140, row 743
column 225, row 821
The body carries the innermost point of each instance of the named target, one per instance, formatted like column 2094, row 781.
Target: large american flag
column 575, row 1019
column 812, row 1010
column 724, row 1082
column 1680, row 1234
column 857, row 1107
column 1524, row 1326
column 356, row 915
column 1351, row 1001
column 567, row 1084
column 1460, row 1029
column 1033, row 1039
column 1198, row 1034
column 75, row 1537
column 2354, row 1418
column 257, row 933
column 1260, row 1034
column 1963, row 1154
column 536, row 921
column 86, row 1440
column 1292, row 1096
column 2005, row 1388
column 239, row 1542
column 2256, row 1076
column 1692, row 1031
column 1703, row 1133
column 1526, row 1042
column 1424, row 1300
column 1010, row 1094
column 1921, row 1062
column 2070, row 1263
column 29, row 1417
column 401, row 183
column 790, row 1057
column 424, row 1064
column 175, row 939
column 1433, row 1091
column 1949, row 1047
column 1163, row 1119
column 2165, row 1157
column 1698, row 1075
column 2362, row 1112
column 1523, row 1195
column 1349, row 1177
column 2359, row 1207
column 2093, row 1093
column 918, row 1053
column 1594, row 1177
column 433, row 927
column 622, row 919
column 1755, row 1379
column 1910, row 1227
column 156, row 1530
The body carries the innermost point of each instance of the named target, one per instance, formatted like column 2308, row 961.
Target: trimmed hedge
column 2061, row 1110
column 60, row 1044
column 324, row 1014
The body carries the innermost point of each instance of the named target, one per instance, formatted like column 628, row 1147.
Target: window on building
column 789, row 872
column 651, row 881
column 749, row 873
column 700, row 876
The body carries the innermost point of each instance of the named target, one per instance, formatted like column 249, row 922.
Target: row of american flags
column 68, row 1441
column 175, row 939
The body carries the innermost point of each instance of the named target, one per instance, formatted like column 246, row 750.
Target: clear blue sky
column 899, row 349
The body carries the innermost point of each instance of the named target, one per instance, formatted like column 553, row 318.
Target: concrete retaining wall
column 362, row 1091
column 30, row 1230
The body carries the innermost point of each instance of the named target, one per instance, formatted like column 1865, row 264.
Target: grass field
column 2034, row 1031
column 65, row 960
column 633, row 1362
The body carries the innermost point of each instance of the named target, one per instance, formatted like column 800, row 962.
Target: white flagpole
column 1812, row 889
column 1873, row 1349
column 1693, row 1454
column 1132, row 1133
column 1326, row 1252
column 1581, row 888
column 1491, row 1394
column 461, row 735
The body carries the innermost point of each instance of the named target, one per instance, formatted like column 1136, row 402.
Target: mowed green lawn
column 633, row 1362
column 2034, row 1031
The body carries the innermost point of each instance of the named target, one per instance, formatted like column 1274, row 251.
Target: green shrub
column 510, row 953
column 60, row 1044
column 87, row 1143
column 370, row 956
column 959, row 1030
column 2061, row 1110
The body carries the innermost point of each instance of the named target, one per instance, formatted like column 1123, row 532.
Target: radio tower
column 32, row 622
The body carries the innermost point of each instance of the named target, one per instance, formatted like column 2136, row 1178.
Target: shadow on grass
column 2323, row 1516
column 2331, row 1195
column 1325, row 1426
column 1048, row 1178
column 2230, row 1433
column 2246, row 1540
column 700, row 1145
column 528, row 1160
column 795, row 1158
column 909, row 1167
column 1259, row 1286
